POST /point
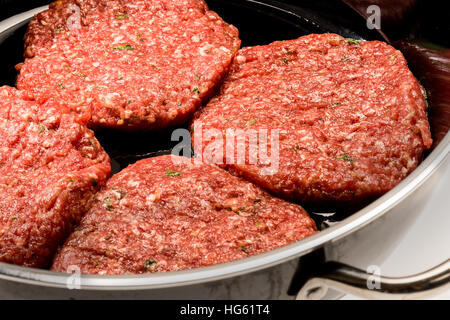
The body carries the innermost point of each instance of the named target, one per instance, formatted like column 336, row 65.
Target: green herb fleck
column 122, row 16
column 71, row 180
column 257, row 201
column 107, row 238
column 345, row 157
column 296, row 148
column 253, row 121
column 345, row 58
column 94, row 182
column 243, row 248
column 108, row 203
column 42, row 128
column 129, row 101
column 352, row 41
column 123, row 47
column 139, row 35
column 58, row 30
column 61, row 85
column 257, row 224
column 82, row 75
column 392, row 58
column 14, row 218
column 227, row 119
column 171, row 173
column 336, row 104
column 285, row 61
column 149, row 263
column 197, row 76
column 196, row 90
column 179, row 104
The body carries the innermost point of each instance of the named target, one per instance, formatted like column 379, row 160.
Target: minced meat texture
column 166, row 214
column 50, row 167
column 131, row 65
column 351, row 117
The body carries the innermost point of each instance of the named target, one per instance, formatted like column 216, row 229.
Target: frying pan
column 261, row 22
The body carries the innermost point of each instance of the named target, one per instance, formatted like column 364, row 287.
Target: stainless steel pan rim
column 217, row 272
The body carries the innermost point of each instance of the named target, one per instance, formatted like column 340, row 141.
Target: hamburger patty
column 350, row 115
column 50, row 167
column 134, row 65
column 163, row 215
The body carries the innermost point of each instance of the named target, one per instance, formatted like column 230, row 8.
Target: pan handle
column 345, row 279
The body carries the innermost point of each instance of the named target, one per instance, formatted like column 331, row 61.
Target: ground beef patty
column 129, row 64
column 162, row 215
column 50, row 167
column 351, row 117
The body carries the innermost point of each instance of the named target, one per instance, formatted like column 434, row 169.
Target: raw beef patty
column 132, row 65
column 162, row 215
column 50, row 167
column 350, row 116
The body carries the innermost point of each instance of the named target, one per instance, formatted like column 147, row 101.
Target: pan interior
column 259, row 23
